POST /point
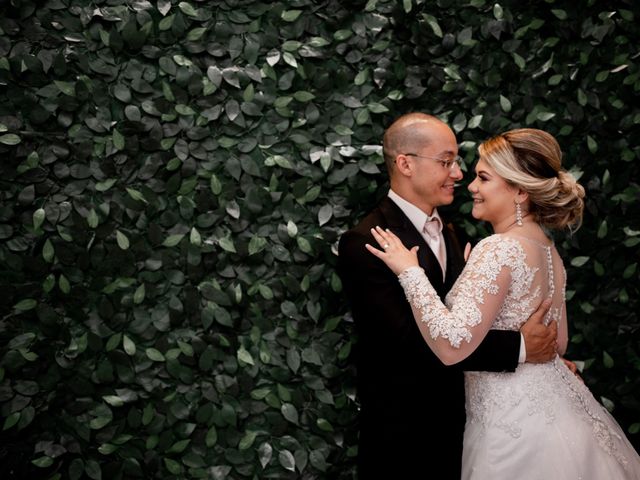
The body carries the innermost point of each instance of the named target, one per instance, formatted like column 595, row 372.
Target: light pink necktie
column 433, row 229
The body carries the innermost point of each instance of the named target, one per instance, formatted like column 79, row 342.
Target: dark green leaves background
column 175, row 176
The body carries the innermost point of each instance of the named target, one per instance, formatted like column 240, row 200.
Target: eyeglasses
column 448, row 164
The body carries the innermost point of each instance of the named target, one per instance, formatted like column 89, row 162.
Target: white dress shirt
column 418, row 218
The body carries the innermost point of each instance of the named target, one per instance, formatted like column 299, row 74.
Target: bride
column 540, row 422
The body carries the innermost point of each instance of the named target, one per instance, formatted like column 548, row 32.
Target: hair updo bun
column 531, row 160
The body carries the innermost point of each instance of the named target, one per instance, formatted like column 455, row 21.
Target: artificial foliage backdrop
column 175, row 176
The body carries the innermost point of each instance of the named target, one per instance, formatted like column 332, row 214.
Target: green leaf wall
column 175, row 177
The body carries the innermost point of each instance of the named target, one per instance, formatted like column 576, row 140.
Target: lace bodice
column 502, row 284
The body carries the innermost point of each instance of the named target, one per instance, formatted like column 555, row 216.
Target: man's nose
column 456, row 172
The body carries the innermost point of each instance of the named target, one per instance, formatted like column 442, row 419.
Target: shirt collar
column 416, row 216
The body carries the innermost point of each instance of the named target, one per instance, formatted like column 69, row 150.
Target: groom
column 412, row 406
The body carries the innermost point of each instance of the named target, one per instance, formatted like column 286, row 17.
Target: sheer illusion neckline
column 535, row 242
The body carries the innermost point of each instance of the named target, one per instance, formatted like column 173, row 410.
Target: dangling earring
column 518, row 215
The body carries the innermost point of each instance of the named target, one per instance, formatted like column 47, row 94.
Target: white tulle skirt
column 541, row 422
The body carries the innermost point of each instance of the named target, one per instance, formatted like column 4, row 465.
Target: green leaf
column 602, row 230
column 291, row 15
column 118, row 139
column 323, row 424
column 25, row 305
column 265, row 452
column 433, row 23
column 48, row 283
column 227, row 244
column 10, row 139
column 247, row 440
column 342, row 35
column 498, row 13
column 173, row 240
column 123, row 241
column 113, row 342
column 100, row 422
column 245, row 357
column 545, row 116
column 11, row 420
column 290, row 412
column 128, row 345
column 303, row 96
column 629, row 271
column 113, row 400
column 211, row 438
column 519, row 61
column 139, row 294
column 188, row 9
column 196, row 34
column 107, row 448
column 560, row 14
column 607, row 360
column 304, row 245
column 287, row 461
column 92, row 469
column 179, row 446
column 43, row 462
column 194, row 237
column 377, row 108
column 105, row 185
column 154, row 355
column 67, row 88
column 216, row 186
column 505, row 104
column 136, row 195
column 63, row 284
column 256, row 244
column 579, row 261
column 92, row 219
column 172, row 466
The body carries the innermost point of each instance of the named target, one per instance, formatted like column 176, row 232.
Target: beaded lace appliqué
column 478, row 280
column 536, row 388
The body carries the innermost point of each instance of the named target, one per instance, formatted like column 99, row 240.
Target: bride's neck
column 510, row 223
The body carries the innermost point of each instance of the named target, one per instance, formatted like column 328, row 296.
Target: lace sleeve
column 479, row 293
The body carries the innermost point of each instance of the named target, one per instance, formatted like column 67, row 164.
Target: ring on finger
column 385, row 246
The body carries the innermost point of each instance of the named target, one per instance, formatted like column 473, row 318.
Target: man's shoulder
column 354, row 239
column 361, row 232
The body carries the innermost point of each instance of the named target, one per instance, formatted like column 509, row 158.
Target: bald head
column 408, row 134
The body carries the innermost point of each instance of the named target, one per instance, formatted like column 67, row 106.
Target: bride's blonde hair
column 530, row 159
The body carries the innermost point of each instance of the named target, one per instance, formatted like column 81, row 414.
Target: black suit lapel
column 399, row 224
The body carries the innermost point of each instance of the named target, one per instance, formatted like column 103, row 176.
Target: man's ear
column 404, row 165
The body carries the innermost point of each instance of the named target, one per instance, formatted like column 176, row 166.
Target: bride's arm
column 481, row 289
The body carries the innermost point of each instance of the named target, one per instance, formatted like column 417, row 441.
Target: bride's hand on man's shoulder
column 397, row 257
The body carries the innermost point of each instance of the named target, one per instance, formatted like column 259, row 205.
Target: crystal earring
column 518, row 215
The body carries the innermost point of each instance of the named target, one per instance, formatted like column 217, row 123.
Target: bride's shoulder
column 499, row 242
column 498, row 239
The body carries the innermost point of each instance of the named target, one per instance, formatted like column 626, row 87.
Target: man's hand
column 540, row 340
column 573, row 367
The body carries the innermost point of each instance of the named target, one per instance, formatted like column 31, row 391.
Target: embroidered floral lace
column 504, row 281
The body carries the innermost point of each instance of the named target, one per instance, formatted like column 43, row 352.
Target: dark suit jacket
column 412, row 406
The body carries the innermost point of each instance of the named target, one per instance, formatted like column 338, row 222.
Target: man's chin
column 447, row 199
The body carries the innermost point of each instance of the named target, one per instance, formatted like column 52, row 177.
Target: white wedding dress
column 540, row 422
